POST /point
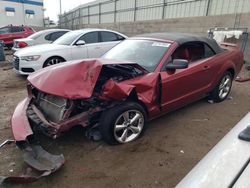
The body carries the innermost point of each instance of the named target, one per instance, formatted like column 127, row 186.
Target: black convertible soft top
column 182, row 38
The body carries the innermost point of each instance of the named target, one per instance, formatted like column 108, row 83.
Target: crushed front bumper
column 19, row 122
column 28, row 119
column 34, row 156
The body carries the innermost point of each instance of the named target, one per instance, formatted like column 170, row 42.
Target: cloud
column 52, row 7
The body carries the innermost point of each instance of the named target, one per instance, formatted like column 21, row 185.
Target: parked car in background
column 40, row 37
column 9, row 33
column 79, row 44
column 138, row 80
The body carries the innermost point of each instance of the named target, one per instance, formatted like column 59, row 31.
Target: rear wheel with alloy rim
column 123, row 124
column 223, row 88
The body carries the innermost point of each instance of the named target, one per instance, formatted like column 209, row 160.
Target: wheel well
column 231, row 70
column 53, row 57
column 134, row 98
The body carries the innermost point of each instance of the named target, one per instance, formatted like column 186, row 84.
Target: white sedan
column 40, row 37
column 79, row 44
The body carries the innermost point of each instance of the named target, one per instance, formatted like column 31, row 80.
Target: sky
column 52, row 7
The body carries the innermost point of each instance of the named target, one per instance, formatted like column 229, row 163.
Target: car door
column 109, row 40
column 183, row 86
column 93, row 45
column 89, row 49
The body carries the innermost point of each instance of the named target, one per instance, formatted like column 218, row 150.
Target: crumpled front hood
column 72, row 80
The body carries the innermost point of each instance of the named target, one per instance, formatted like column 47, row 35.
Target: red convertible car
column 138, row 80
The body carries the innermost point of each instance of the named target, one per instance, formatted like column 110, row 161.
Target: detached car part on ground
column 167, row 72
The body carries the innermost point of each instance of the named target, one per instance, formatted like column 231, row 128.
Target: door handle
column 206, row 67
column 97, row 48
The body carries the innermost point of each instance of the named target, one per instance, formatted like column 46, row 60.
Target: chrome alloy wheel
column 128, row 126
column 53, row 61
column 225, row 86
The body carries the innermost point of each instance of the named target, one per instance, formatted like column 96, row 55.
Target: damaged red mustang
column 138, row 80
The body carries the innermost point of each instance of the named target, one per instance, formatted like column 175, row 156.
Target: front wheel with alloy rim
column 223, row 88
column 53, row 61
column 123, row 123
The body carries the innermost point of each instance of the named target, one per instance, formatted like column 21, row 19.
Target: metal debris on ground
column 41, row 162
column 239, row 79
column 205, row 119
column 93, row 133
column 210, row 101
column 8, row 141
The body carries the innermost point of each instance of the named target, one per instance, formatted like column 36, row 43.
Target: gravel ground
column 169, row 149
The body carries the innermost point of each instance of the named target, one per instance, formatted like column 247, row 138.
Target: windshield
column 35, row 35
column 68, row 38
column 146, row 53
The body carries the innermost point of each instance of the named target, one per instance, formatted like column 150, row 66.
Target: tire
column 9, row 46
column 222, row 90
column 53, row 61
column 116, row 130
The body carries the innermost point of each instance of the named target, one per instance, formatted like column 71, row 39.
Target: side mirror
column 80, row 43
column 177, row 64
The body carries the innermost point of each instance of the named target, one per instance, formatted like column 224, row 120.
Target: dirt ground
column 169, row 149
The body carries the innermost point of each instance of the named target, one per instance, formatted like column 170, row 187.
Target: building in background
column 120, row 11
column 22, row 12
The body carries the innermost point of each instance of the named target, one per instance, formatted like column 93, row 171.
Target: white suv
column 79, row 44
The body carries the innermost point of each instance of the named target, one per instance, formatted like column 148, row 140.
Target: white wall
column 138, row 10
column 20, row 17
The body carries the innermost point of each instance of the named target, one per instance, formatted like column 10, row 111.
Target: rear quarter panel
column 227, row 60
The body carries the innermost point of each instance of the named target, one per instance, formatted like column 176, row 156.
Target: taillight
column 22, row 44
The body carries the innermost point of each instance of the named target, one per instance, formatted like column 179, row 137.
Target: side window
column 181, row 52
column 56, row 35
column 196, row 51
column 16, row 29
column 192, row 51
column 108, row 36
column 47, row 37
column 89, row 38
column 208, row 51
column 120, row 37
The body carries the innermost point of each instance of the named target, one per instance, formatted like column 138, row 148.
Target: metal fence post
column 99, row 13
column 88, row 16
column 79, row 16
column 115, row 11
column 208, row 7
column 163, row 9
column 135, row 10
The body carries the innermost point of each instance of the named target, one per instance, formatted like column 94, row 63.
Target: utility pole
column 60, row 3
